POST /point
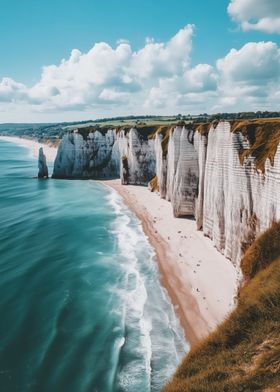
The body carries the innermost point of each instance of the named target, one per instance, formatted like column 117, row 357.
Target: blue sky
column 34, row 34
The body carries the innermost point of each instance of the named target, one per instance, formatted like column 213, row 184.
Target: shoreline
column 33, row 145
column 200, row 281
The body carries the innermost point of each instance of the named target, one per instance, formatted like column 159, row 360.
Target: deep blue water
column 81, row 306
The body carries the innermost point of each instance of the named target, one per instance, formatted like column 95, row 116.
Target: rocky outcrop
column 104, row 155
column 42, row 165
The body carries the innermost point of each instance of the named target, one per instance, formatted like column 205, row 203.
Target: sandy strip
column 200, row 281
column 33, row 145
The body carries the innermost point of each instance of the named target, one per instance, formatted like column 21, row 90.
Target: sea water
column 81, row 305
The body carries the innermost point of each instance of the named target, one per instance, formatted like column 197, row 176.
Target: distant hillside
column 49, row 131
column 244, row 352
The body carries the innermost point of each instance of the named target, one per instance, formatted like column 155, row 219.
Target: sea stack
column 42, row 165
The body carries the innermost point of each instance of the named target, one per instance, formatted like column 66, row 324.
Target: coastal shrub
column 262, row 252
column 243, row 354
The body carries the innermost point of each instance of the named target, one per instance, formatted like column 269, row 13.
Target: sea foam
column 147, row 309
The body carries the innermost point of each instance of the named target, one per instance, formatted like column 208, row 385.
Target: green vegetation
column 132, row 121
column 243, row 354
column 262, row 132
column 262, row 252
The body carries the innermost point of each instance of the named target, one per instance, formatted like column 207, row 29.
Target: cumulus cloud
column 106, row 76
column 11, row 91
column 250, row 76
column 164, row 59
column 262, row 15
column 158, row 78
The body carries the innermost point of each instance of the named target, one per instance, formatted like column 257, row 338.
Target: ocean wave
column 82, row 307
column 154, row 337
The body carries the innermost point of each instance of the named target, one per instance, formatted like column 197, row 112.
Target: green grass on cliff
column 243, row 354
column 263, row 136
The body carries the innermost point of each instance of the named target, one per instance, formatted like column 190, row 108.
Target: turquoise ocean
column 81, row 305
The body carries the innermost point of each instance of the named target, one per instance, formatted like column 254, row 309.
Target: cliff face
column 108, row 155
column 177, row 170
column 228, row 178
column 215, row 178
column 136, row 157
column 240, row 201
column 86, row 158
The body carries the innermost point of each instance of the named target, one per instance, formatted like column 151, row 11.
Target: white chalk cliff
column 239, row 201
column 106, row 155
column 232, row 202
column 201, row 174
column 86, row 158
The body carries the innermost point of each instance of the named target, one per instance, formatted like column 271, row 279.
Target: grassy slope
column 244, row 352
column 263, row 136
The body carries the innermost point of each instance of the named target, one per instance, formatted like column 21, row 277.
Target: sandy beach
column 200, row 281
column 33, row 145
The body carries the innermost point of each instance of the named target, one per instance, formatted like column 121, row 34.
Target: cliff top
column 263, row 136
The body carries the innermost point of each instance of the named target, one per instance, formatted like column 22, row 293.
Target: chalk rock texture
column 42, row 165
column 106, row 155
column 200, row 173
column 200, row 143
column 178, row 173
column 239, row 201
column 86, row 158
column 161, row 165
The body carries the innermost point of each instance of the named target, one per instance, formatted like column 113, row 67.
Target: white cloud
column 164, row 59
column 250, row 77
column 120, row 76
column 254, row 63
column 11, row 90
column 202, row 77
column 159, row 78
column 262, row 15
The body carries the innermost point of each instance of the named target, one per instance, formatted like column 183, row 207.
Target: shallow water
column 81, row 306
